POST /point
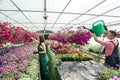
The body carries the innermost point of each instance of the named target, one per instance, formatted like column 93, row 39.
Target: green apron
column 43, row 60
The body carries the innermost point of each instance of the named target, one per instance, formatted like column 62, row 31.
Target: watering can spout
column 88, row 29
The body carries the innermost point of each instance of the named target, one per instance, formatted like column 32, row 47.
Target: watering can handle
column 106, row 28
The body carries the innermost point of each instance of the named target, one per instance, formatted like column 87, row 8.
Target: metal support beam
column 86, row 12
column 113, row 24
column 61, row 13
column 23, row 13
column 45, row 16
column 12, row 19
column 101, row 14
column 40, row 23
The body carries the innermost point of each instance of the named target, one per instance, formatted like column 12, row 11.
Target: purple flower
column 115, row 78
column 98, row 71
column 0, row 63
column 117, row 65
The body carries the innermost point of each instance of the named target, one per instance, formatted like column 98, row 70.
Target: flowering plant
column 118, row 35
column 60, row 48
column 79, row 36
column 108, row 74
column 20, row 35
column 5, row 33
column 115, row 78
column 16, row 62
column 14, row 34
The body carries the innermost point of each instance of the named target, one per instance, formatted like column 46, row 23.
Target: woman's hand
column 35, row 52
column 28, row 35
column 32, row 38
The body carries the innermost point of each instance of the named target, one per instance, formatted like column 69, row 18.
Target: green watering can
column 98, row 27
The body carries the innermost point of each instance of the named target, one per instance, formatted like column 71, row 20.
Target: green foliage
column 86, row 57
column 25, row 77
column 46, row 31
column 46, row 36
column 75, row 45
column 34, row 43
column 95, row 49
column 108, row 73
column 53, row 62
column 92, row 48
column 32, row 72
column 9, row 75
column 74, row 57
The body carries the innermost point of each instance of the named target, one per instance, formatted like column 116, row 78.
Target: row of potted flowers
column 19, row 63
column 14, row 34
column 79, row 36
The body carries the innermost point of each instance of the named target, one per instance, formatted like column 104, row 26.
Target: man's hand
column 92, row 34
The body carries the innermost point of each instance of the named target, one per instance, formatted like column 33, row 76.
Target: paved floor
column 85, row 70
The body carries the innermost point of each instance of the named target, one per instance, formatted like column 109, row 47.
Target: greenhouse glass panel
column 19, row 25
column 3, row 18
column 55, row 28
column 81, row 6
column 65, row 18
column 34, row 17
column 7, row 5
column 11, row 21
column 83, row 18
column 39, row 26
column 107, row 6
column 56, row 5
column 31, row 27
column 114, row 12
column 105, row 19
column 29, row 4
column 52, row 17
column 18, row 16
column 115, row 22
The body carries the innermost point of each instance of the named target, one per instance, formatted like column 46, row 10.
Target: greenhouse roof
column 53, row 15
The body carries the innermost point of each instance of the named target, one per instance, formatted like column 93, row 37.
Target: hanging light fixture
column 45, row 17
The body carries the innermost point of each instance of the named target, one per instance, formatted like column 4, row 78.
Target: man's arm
column 96, row 39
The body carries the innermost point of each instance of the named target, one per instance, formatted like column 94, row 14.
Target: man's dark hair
column 113, row 32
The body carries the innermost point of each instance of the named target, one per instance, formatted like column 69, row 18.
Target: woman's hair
column 113, row 33
column 41, row 39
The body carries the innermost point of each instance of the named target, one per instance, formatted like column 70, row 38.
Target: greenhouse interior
column 59, row 39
